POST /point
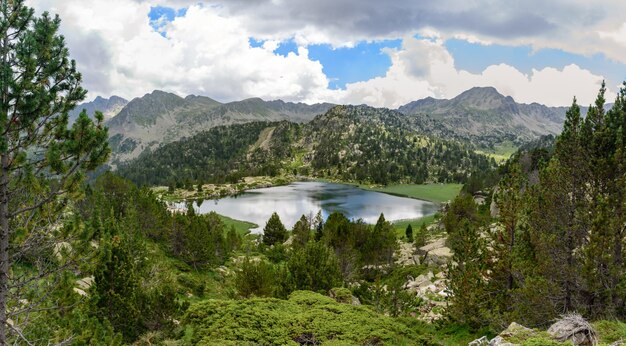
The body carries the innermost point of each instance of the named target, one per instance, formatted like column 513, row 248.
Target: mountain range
column 348, row 143
column 480, row 116
column 109, row 107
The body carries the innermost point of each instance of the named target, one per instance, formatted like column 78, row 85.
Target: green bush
column 304, row 316
column 610, row 331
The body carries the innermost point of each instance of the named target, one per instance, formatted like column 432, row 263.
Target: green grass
column 428, row 192
column 501, row 152
column 242, row 227
column 401, row 225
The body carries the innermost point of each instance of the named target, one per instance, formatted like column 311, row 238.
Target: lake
column 293, row 200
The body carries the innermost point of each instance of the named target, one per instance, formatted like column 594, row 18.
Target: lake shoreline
column 438, row 193
column 308, row 197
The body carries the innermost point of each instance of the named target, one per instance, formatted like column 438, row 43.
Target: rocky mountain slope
column 481, row 117
column 159, row 117
column 109, row 107
column 351, row 143
column 484, row 117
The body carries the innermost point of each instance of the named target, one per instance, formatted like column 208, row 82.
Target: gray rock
column 574, row 328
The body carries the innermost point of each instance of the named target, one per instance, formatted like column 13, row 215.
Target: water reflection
column 294, row 200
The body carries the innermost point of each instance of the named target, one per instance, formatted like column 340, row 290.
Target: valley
column 347, row 206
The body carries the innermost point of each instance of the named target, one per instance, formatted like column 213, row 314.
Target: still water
column 307, row 198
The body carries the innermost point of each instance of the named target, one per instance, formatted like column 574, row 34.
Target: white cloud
column 203, row 53
column 424, row 68
column 207, row 52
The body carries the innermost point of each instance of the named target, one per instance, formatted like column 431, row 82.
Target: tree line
column 556, row 242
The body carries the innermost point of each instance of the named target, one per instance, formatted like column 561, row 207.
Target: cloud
column 424, row 67
column 202, row 52
column 572, row 25
column 207, row 49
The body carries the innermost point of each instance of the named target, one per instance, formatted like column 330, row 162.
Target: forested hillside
column 161, row 117
column 554, row 240
column 350, row 143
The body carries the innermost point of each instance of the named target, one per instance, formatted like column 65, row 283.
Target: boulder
column 499, row 341
column 344, row 296
column 513, row 330
column 516, row 329
column 574, row 328
column 483, row 341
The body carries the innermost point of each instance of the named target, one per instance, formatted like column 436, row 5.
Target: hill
column 159, row 117
column 484, row 117
column 350, row 143
column 109, row 107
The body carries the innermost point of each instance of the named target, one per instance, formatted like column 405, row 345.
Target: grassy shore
column 438, row 193
column 400, row 225
column 242, row 227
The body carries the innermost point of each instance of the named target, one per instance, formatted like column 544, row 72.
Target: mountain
column 350, row 143
column 160, row 117
column 109, row 107
column 484, row 117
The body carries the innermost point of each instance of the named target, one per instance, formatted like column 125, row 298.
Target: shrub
column 304, row 316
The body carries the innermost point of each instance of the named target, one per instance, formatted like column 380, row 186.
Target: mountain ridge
column 480, row 116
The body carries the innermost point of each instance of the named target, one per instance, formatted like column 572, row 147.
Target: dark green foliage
column 304, row 316
column 116, row 290
column 255, row 278
column 314, row 268
column 301, row 232
column 44, row 161
column 218, row 155
column 379, row 147
column 381, row 243
column 421, row 236
column 409, row 233
column 357, row 244
column 199, row 240
column 557, row 244
column 468, row 270
column 274, row 231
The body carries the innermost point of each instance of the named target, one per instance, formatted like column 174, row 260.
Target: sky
column 380, row 53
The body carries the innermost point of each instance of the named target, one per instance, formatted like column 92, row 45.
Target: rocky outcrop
column 514, row 330
column 435, row 253
column 575, row 329
column 431, row 288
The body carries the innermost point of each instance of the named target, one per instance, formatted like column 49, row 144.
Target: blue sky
column 343, row 65
column 346, row 51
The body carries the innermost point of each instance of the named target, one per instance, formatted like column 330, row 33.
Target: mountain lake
column 307, row 198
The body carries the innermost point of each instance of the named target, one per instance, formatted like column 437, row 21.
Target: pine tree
column 510, row 204
column 274, row 231
column 421, row 237
column 116, row 290
column 314, row 267
column 301, row 232
column 381, row 243
column 42, row 161
column 468, row 270
column 409, row 233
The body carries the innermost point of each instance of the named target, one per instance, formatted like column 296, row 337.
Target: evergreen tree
column 381, row 243
column 409, row 233
column 274, row 231
column 255, row 278
column 42, row 161
column 421, row 236
column 468, row 270
column 116, row 292
column 301, row 232
column 314, row 268
column 510, row 200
